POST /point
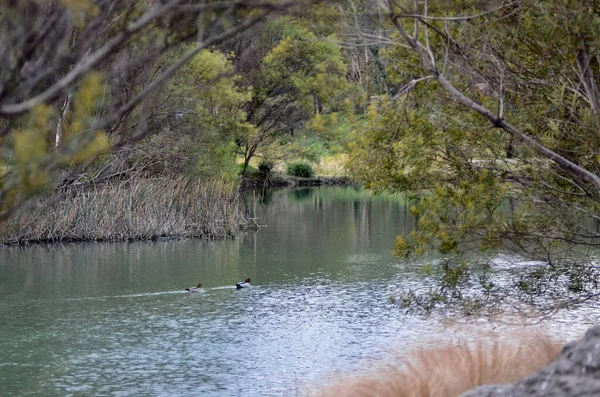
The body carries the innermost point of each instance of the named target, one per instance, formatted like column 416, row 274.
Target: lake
column 114, row 319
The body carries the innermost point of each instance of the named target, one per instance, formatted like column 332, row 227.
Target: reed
column 140, row 209
column 450, row 370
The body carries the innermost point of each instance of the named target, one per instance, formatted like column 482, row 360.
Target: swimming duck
column 197, row 288
column 243, row 284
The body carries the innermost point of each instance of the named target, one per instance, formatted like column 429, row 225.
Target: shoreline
column 277, row 180
column 71, row 220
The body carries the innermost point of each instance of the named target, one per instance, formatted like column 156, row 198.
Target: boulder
column 576, row 372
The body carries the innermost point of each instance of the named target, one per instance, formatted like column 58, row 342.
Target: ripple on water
column 113, row 319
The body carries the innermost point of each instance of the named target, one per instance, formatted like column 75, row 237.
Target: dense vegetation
column 484, row 112
column 140, row 209
column 492, row 132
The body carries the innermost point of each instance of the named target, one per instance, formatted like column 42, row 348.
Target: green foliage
column 249, row 168
column 312, row 69
column 30, row 165
column 297, row 75
column 302, row 170
column 207, row 117
column 453, row 164
column 220, row 105
column 473, row 186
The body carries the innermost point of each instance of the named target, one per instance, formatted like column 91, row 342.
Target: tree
column 76, row 75
column 492, row 132
column 203, row 115
column 298, row 77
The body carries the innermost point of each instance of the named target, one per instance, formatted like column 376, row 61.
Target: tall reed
column 139, row 209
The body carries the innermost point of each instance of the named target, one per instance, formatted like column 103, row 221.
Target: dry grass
column 453, row 369
column 332, row 165
column 137, row 210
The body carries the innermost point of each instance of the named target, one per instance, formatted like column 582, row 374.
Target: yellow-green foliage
column 401, row 147
column 448, row 214
column 309, row 65
column 216, row 70
column 210, row 107
column 301, row 76
column 31, row 161
column 221, row 116
column 453, row 163
column 79, row 139
column 30, row 149
column 79, row 8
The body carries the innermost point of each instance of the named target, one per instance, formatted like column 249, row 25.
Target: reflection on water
column 114, row 319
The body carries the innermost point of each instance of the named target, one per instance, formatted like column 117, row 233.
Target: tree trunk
column 59, row 130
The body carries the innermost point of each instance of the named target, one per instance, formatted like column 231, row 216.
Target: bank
column 258, row 180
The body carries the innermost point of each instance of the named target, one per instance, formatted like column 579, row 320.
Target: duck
column 197, row 288
column 243, row 284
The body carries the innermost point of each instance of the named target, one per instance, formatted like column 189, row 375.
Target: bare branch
column 167, row 73
column 408, row 87
column 89, row 61
column 497, row 121
column 587, row 77
column 463, row 18
column 500, row 123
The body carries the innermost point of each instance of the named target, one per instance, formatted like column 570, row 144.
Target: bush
column 303, row 170
column 249, row 169
column 265, row 168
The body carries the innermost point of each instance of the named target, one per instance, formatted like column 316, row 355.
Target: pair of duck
column 240, row 285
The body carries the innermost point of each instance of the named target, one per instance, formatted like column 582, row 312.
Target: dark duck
column 197, row 288
column 243, row 284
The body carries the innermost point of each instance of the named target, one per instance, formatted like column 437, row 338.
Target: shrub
column 303, row 170
column 265, row 168
column 249, row 169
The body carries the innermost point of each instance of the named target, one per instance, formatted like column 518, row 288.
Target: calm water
column 114, row 319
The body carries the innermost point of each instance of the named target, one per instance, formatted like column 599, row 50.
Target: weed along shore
column 139, row 209
column 143, row 209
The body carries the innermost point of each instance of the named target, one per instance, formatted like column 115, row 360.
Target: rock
column 575, row 373
column 483, row 89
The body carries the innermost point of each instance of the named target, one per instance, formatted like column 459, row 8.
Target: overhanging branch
column 429, row 64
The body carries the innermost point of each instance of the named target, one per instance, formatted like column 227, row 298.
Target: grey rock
column 575, row 373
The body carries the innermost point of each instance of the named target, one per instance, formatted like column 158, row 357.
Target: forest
column 125, row 120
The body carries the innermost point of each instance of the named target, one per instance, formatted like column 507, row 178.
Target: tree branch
column 89, row 61
column 496, row 121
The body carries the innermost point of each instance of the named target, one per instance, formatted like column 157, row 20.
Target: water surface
column 114, row 319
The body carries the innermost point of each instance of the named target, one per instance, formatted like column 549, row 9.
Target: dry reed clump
column 451, row 370
column 136, row 210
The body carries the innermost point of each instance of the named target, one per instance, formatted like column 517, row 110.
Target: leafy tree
column 492, row 132
column 299, row 76
column 77, row 73
column 205, row 115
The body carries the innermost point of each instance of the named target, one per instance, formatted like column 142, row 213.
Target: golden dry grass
column 450, row 370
